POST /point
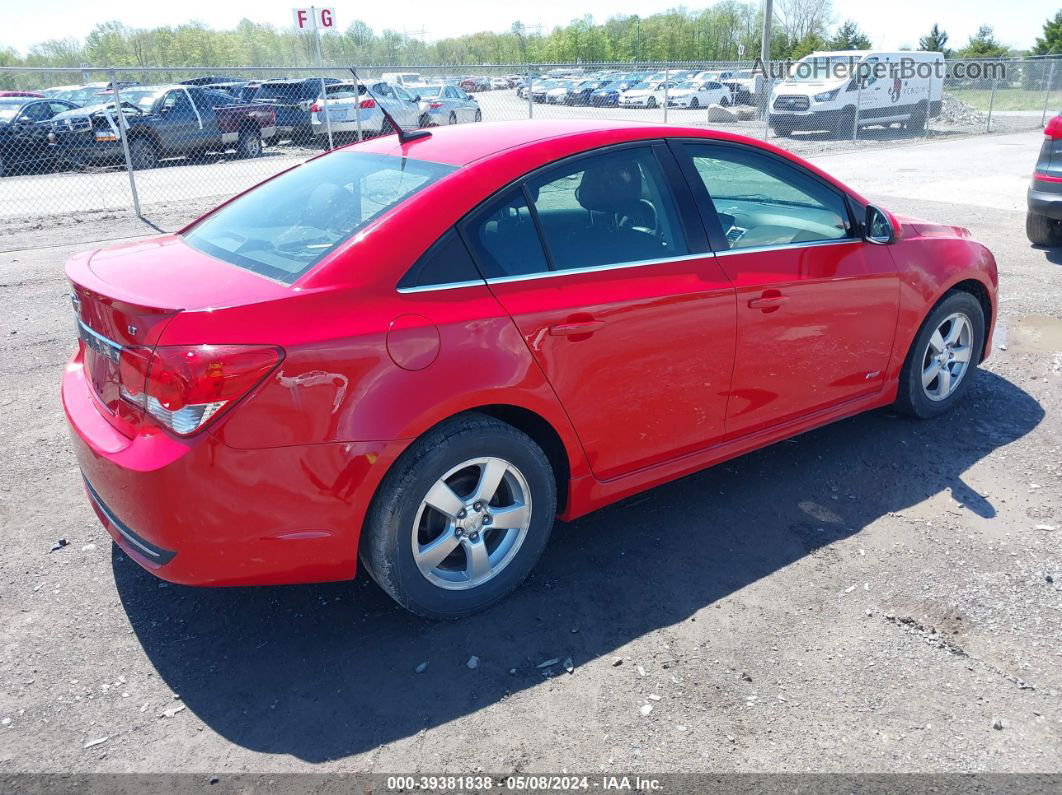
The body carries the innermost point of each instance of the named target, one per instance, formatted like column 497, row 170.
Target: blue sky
column 890, row 23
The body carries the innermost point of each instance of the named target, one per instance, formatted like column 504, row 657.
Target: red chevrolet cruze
column 418, row 353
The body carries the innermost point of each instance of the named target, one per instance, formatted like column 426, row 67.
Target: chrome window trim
column 596, row 268
column 635, row 264
column 423, row 288
column 841, row 241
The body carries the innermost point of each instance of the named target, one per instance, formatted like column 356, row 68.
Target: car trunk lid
column 124, row 298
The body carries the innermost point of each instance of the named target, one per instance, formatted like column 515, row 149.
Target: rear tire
column 1043, row 231
column 479, row 115
column 249, row 144
column 724, row 102
column 917, row 121
column 446, row 467
column 694, row 104
column 922, row 393
column 452, row 119
column 650, row 103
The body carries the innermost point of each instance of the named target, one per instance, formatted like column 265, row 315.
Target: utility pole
column 765, row 58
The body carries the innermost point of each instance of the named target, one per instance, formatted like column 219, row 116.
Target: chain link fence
column 168, row 143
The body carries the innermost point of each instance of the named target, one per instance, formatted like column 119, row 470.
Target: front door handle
column 768, row 302
column 575, row 329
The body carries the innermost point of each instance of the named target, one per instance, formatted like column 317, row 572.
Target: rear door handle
column 573, row 329
column 768, row 302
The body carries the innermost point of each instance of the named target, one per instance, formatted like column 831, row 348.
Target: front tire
column 479, row 115
column 650, row 103
column 1042, row 231
column 943, row 358
column 143, row 154
column 461, row 518
column 694, row 104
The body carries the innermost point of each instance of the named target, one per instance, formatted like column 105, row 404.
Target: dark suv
column 1043, row 224
column 292, row 100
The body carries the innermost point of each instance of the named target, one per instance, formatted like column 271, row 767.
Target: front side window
column 761, row 201
column 607, row 209
column 285, row 226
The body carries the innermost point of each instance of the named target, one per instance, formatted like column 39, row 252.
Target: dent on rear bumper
column 229, row 517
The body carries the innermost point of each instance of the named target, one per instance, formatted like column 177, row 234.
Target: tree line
column 726, row 31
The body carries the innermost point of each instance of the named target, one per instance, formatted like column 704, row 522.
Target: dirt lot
column 878, row 595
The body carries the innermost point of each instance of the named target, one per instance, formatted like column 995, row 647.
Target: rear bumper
column 198, row 512
column 1045, row 203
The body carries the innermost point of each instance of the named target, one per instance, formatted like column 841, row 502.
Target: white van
column 824, row 90
column 404, row 79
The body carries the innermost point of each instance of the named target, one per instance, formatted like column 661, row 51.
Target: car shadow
column 1052, row 254
column 325, row 671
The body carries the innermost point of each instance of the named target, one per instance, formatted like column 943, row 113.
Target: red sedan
column 418, row 354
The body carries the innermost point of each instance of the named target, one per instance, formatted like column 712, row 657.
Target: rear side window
column 446, row 262
column 285, row 226
column 504, row 238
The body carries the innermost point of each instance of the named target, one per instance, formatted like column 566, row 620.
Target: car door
column 605, row 271
column 30, row 133
column 180, row 130
column 816, row 305
column 408, row 111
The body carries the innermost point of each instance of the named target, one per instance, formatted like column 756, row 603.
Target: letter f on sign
column 300, row 18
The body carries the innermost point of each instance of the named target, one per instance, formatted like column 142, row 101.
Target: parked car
column 36, row 94
column 79, row 95
column 291, row 100
column 162, row 121
column 644, row 95
column 348, row 108
column 24, row 130
column 499, row 83
column 447, row 105
column 408, row 80
column 242, row 90
column 558, row 95
column 385, row 354
column 607, row 96
column 745, row 84
column 473, row 84
column 693, row 95
column 580, row 93
column 209, row 80
column 1043, row 222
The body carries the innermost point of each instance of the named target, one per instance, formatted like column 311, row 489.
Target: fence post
column 120, row 121
column 667, row 76
column 530, row 99
column 859, row 102
column 1047, row 93
column 991, row 102
column 768, row 89
column 324, row 110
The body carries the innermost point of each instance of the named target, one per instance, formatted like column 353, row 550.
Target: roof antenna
column 403, row 136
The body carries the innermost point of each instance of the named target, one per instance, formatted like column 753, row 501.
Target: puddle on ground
column 1033, row 334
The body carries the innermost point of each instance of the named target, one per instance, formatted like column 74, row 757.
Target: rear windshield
column 284, row 227
column 285, row 92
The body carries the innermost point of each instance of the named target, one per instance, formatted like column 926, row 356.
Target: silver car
column 349, row 105
column 444, row 104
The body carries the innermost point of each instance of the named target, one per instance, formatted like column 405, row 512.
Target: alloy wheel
column 471, row 523
column 947, row 356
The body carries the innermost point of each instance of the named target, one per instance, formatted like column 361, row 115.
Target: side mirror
column 877, row 228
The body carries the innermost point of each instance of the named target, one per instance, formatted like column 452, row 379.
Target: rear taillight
column 1053, row 129
column 435, row 105
column 183, row 387
column 315, row 108
column 367, row 103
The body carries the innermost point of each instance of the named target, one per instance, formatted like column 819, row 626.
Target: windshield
column 638, row 86
column 142, row 98
column 285, row 226
column 817, row 70
column 429, row 91
column 687, row 84
column 8, row 111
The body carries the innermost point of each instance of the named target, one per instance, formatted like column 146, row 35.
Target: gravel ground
column 878, row 595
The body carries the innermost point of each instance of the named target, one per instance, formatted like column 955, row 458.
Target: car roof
column 463, row 144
